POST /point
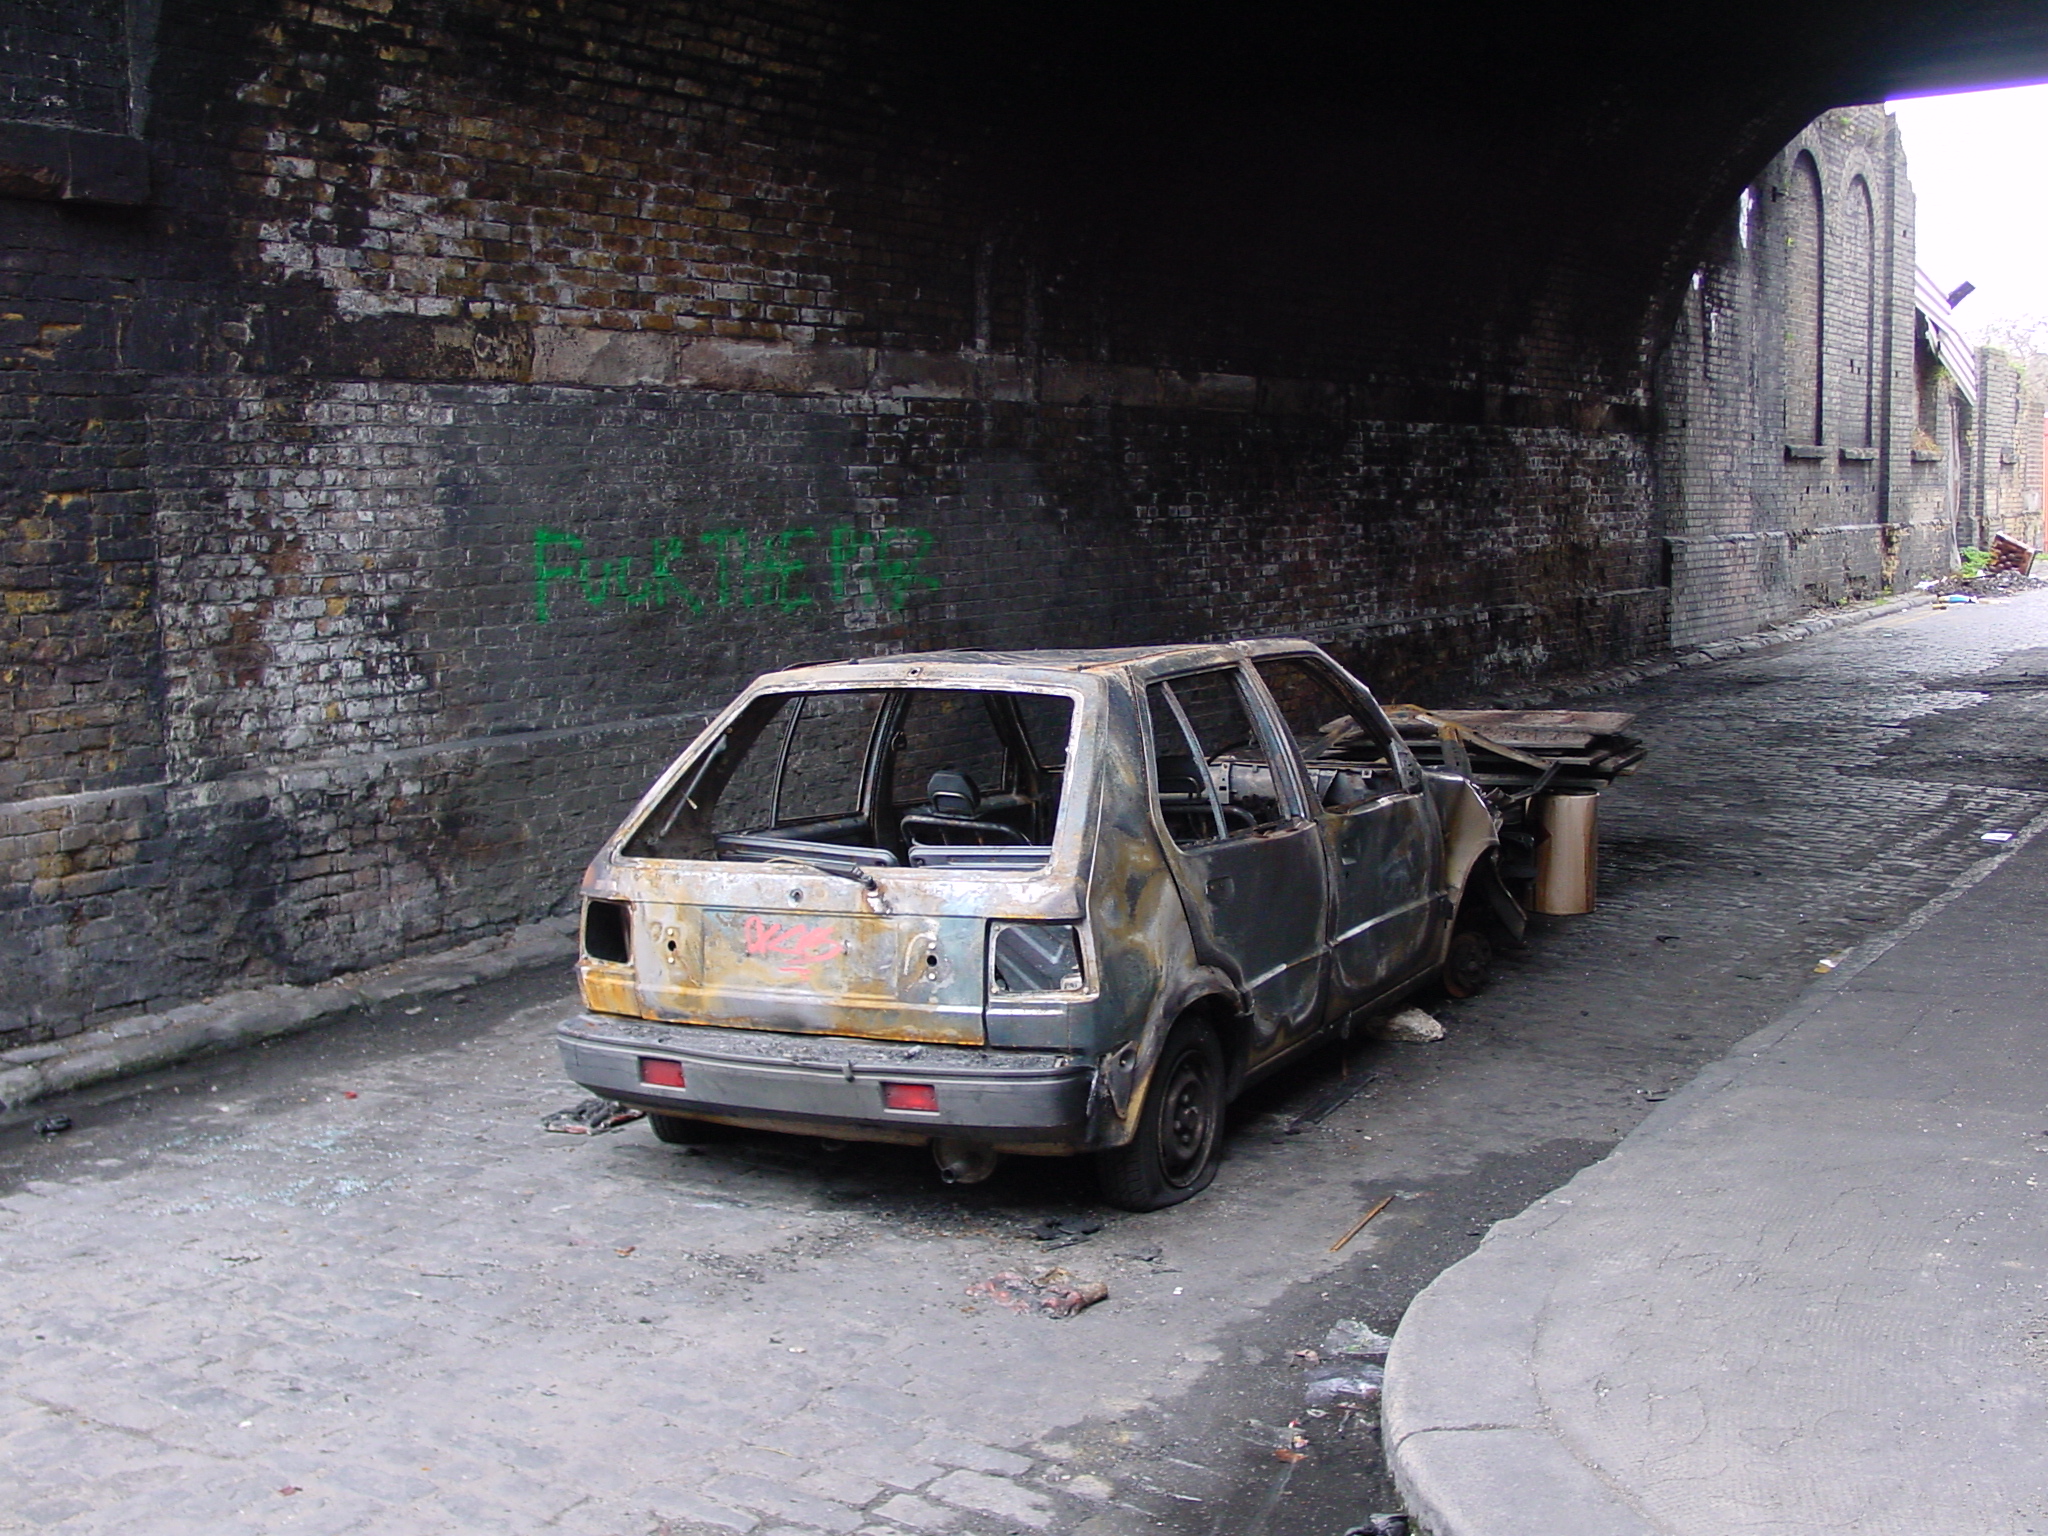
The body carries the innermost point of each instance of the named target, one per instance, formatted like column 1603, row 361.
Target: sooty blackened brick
column 486, row 391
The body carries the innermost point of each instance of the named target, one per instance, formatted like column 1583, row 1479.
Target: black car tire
column 1468, row 967
column 1180, row 1130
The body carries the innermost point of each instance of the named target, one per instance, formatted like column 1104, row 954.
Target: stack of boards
column 1522, row 751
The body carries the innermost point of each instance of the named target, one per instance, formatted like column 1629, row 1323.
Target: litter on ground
column 1063, row 1231
column 1056, row 1293
column 593, row 1117
column 1358, row 1341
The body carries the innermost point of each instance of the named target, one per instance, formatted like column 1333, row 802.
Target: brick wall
column 1801, row 317
column 466, row 396
column 67, row 63
column 2004, row 494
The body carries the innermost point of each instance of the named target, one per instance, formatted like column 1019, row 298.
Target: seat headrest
column 952, row 793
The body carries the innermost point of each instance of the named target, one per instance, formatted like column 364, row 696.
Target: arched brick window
column 1856, row 293
column 1805, row 302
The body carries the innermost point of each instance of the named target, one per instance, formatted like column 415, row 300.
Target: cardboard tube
column 1568, row 857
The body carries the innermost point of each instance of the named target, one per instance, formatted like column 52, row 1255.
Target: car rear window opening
column 929, row 777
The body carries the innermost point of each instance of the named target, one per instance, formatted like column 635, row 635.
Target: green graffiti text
column 879, row 568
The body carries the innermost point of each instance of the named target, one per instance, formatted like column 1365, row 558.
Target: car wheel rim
column 1187, row 1123
column 1470, row 960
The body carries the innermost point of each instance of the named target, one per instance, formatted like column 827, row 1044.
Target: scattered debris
column 1293, row 1444
column 1996, row 837
column 1063, row 1231
column 1411, row 1026
column 1304, row 1357
column 626, row 1253
column 1149, row 1253
column 1381, row 1525
column 1355, row 1340
column 1338, row 1246
column 593, row 1117
column 1993, row 583
column 290, row 1488
column 53, row 1125
column 1056, row 1293
column 1358, row 1387
column 349, row 1093
column 1829, row 962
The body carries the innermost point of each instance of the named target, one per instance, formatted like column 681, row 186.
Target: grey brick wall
column 1801, row 316
column 2004, row 490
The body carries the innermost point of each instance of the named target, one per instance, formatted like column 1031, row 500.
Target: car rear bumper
column 825, row 1085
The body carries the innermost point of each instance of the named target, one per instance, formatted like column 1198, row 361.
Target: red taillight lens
column 920, row 1096
column 663, row 1074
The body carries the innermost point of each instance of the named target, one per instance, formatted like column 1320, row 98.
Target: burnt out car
column 1047, row 903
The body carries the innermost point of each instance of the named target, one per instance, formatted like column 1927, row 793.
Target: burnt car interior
column 840, row 779
column 1213, row 771
column 1340, row 738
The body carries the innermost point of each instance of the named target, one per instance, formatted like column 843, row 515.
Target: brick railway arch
column 423, row 409
column 1518, row 192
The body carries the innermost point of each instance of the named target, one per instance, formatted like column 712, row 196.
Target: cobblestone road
column 344, row 1284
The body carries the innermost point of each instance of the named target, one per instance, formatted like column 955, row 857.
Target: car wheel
column 1173, row 1155
column 682, row 1131
column 1468, row 967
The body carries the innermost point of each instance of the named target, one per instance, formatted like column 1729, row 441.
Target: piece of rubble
column 1056, row 1293
column 1411, row 1026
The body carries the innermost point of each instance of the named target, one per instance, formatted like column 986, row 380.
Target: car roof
column 1019, row 666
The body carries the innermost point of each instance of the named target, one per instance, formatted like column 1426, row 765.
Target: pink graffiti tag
column 801, row 949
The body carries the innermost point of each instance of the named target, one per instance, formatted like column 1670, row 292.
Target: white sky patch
column 1979, row 164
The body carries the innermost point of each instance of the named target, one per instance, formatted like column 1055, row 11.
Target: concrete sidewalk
column 1810, row 1293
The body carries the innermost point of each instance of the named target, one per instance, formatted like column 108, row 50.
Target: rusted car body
column 1040, row 902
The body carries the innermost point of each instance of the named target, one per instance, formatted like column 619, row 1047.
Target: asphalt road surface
column 346, row 1283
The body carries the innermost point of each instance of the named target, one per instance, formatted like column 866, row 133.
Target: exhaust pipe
column 964, row 1162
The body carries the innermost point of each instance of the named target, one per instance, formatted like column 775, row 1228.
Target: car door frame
column 1375, row 946
column 1285, row 995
